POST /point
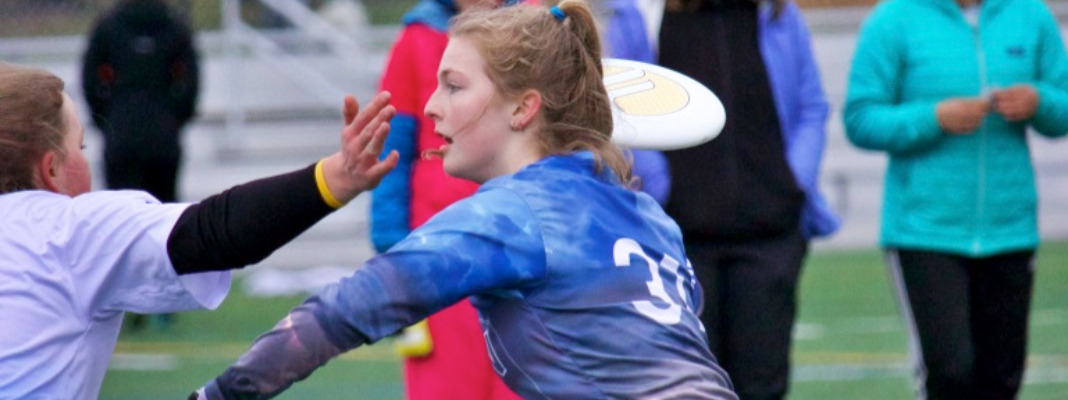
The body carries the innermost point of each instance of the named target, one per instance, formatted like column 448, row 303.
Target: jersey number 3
column 670, row 314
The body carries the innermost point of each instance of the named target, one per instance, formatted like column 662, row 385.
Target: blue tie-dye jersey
column 582, row 286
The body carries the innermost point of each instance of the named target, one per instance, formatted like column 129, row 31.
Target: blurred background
column 273, row 76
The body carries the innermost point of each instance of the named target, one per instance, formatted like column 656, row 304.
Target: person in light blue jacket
column 748, row 202
column 948, row 89
column 801, row 107
column 625, row 38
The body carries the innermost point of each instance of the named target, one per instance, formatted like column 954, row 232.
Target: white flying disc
column 656, row 108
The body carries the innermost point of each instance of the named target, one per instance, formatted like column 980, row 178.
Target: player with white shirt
column 72, row 262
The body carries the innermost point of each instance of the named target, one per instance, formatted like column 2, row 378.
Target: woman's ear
column 46, row 172
column 527, row 108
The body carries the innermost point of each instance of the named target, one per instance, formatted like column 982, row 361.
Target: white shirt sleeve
column 116, row 246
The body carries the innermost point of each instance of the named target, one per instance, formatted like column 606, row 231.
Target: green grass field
column 849, row 344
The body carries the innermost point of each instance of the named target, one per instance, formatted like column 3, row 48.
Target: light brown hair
column 31, row 123
column 527, row 47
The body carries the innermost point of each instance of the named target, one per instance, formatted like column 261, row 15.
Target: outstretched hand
column 357, row 168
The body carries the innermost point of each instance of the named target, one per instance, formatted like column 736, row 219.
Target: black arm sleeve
column 246, row 223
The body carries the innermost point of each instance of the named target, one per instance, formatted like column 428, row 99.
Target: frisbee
column 659, row 109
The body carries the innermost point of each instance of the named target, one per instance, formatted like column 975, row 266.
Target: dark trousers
column 158, row 177
column 969, row 319
column 750, row 291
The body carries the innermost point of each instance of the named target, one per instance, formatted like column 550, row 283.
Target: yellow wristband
column 320, row 181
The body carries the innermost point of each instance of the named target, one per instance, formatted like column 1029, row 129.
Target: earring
column 515, row 126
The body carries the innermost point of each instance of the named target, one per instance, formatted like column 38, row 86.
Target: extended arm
column 289, row 352
column 391, row 291
column 247, row 223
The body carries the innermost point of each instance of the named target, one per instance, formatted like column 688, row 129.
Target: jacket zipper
column 985, row 91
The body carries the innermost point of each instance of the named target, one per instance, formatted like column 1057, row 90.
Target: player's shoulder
column 30, row 214
column 34, row 205
column 499, row 197
column 112, row 200
column 39, row 214
column 534, row 185
column 493, row 212
column 108, row 209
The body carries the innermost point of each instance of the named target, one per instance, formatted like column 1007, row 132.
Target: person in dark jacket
column 140, row 77
column 748, row 203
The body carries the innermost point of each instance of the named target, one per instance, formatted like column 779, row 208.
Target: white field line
column 143, row 362
column 1035, row 374
column 892, row 323
column 1042, row 369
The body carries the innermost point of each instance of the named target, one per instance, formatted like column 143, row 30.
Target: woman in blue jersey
column 581, row 283
column 72, row 261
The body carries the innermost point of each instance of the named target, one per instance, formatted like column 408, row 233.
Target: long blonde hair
column 528, row 47
column 31, row 123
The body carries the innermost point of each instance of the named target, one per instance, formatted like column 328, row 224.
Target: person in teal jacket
column 948, row 90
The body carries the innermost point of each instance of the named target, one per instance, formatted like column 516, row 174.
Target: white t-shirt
column 69, row 269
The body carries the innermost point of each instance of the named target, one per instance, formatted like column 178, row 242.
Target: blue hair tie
column 558, row 13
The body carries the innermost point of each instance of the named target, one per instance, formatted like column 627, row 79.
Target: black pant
column 158, row 177
column 970, row 318
column 750, row 291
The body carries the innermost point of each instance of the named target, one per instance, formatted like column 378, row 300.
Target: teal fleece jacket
column 972, row 195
